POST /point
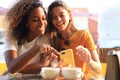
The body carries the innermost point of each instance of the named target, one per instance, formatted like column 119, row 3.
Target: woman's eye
column 61, row 15
column 34, row 20
column 44, row 18
column 54, row 17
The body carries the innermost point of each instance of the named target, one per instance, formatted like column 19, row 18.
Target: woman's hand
column 83, row 53
column 47, row 55
column 92, row 59
column 45, row 59
column 47, row 49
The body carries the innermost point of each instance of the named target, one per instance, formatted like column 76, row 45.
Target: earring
column 26, row 25
column 70, row 20
column 67, row 42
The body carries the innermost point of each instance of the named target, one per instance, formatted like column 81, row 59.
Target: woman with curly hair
column 27, row 46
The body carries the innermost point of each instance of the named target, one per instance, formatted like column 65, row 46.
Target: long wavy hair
column 17, row 17
column 54, row 33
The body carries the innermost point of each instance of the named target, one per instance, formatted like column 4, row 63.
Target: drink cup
column 70, row 73
column 49, row 72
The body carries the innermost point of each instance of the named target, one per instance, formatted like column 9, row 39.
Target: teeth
column 40, row 28
column 59, row 24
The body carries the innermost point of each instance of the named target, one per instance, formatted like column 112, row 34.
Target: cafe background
column 100, row 17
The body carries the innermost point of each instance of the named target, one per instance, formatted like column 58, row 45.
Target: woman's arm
column 16, row 63
column 20, row 63
column 94, row 62
column 36, row 68
column 91, row 58
column 32, row 68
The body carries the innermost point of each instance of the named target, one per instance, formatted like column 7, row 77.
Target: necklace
column 67, row 42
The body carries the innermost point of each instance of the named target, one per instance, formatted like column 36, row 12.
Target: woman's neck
column 31, row 37
column 67, row 34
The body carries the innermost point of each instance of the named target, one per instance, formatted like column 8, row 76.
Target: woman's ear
column 70, row 16
column 26, row 25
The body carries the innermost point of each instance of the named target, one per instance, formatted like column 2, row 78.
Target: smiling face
column 37, row 22
column 60, row 18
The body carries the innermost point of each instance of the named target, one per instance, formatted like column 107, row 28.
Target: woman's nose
column 58, row 18
column 42, row 23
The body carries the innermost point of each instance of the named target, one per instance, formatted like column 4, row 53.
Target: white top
column 39, row 40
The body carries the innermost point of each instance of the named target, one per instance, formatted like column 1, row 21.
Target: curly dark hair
column 17, row 17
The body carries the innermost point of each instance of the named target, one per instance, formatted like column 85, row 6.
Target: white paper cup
column 49, row 72
column 72, row 73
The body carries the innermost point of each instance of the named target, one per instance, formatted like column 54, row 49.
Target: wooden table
column 7, row 77
column 36, row 77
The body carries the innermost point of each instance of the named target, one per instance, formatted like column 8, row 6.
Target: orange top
column 80, row 37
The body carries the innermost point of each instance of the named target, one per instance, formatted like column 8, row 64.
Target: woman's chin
column 41, row 33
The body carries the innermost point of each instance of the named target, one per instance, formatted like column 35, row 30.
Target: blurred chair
column 113, row 65
column 2, row 67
